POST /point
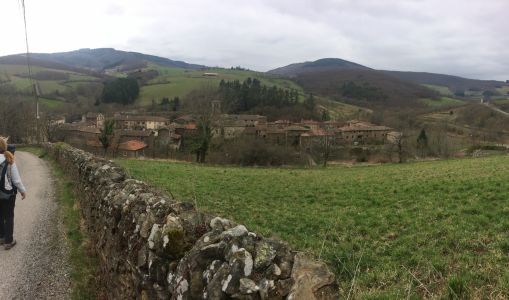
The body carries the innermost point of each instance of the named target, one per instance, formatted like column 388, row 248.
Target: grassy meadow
column 442, row 90
column 419, row 230
column 17, row 75
column 442, row 102
column 177, row 82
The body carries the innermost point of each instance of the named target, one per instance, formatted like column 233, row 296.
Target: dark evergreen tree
column 176, row 104
column 422, row 142
column 121, row 90
column 309, row 103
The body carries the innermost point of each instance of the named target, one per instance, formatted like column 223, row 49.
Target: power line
column 30, row 77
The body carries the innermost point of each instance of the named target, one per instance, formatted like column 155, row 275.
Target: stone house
column 131, row 148
column 128, row 122
column 293, row 134
column 185, row 120
column 311, row 124
column 76, row 135
column 57, row 120
column 316, row 137
column 233, row 126
column 363, row 132
column 167, row 138
column 274, row 136
column 93, row 119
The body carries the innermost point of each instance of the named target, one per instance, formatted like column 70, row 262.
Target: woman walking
column 10, row 184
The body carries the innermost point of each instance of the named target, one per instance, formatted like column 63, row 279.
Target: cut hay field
column 420, row 230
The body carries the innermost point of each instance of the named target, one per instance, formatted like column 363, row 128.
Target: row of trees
column 170, row 105
column 121, row 90
column 364, row 91
column 244, row 96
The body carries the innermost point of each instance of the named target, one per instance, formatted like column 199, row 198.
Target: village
column 138, row 135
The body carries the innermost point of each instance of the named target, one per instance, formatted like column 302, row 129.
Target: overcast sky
column 461, row 37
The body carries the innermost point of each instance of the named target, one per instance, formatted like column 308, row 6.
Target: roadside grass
column 419, row 230
column 83, row 262
column 442, row 102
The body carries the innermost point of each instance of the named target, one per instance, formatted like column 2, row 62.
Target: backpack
column 4, row 193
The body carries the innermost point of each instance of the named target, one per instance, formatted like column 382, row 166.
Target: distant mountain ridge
column 343, row 66
column 455, row 83
column 100, row 59
column 324, row 64
column 360, row 85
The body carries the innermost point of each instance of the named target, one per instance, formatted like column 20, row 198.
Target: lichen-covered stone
column 248, row 286
column 265, row 253
column 220, row 224
column 155, row 247
column 173, row 237
column 309, row 278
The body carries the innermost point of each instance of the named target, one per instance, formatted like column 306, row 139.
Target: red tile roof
column 132, row 145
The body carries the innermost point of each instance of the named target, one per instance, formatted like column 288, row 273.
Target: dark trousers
column 7, row 219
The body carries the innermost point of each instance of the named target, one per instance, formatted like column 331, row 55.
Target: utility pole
column 37, row 94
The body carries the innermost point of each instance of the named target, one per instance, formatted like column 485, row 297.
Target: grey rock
column 265, row 254
column 248, row 286
column 237, row 231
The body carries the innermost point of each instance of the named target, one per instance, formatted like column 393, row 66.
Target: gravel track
column 37, row 267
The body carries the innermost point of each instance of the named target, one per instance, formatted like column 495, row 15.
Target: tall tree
column 422, row 142
column 199, row 103
column 310, row 102
column 106, row 134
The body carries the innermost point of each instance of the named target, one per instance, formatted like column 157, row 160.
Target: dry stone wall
column 151, row 246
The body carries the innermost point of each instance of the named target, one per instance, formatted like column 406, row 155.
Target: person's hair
column 3, row 149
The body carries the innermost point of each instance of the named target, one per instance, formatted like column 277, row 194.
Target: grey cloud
column 460, row 37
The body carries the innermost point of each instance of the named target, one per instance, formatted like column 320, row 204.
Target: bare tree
column 199, row 104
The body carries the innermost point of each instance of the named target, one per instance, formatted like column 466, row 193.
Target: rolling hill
column 360, row 85
column 454, row 83
column 325, row 64
column 100, row 59
column 76, row 77
column 356, row 84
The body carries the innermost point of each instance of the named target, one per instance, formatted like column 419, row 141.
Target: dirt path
column 36, row 268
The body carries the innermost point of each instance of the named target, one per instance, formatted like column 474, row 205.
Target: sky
column 469, row 38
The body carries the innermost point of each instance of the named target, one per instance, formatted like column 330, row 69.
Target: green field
column 430, row 229
column 176, row 82
column 21, row 83
column 340, row 110
column 51, row 103
column 50, row 86
column 442, row 102
column 503, row 90
column 17, row 75
column 442, row 90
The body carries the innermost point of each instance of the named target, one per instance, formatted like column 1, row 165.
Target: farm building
column 132, row 148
